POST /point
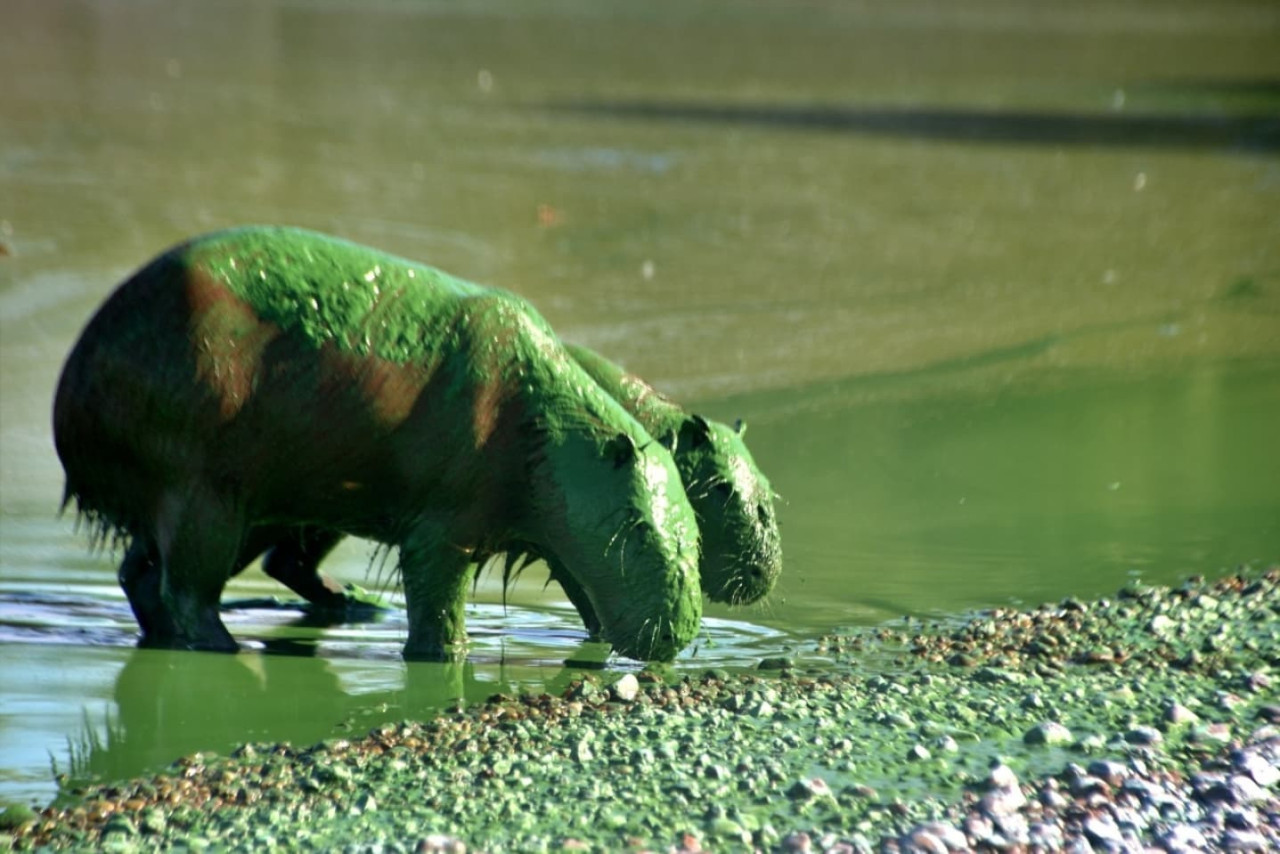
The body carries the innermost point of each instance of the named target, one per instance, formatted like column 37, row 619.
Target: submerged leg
column 139, row 576
column 199, row 544
column 294, row 561
column 435, row 575
column 293, row 556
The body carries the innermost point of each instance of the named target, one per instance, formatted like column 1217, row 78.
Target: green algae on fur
column 741, row 547
column 273, row 378
column 336, row 292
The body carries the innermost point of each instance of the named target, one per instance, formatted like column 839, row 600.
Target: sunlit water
column 995, row 285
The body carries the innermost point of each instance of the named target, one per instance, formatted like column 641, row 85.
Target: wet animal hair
column 106, row 534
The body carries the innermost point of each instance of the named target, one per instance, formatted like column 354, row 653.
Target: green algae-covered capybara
column 274, row 378
column 741, row 548
column 741, row 555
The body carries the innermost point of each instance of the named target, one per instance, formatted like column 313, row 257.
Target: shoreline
column 1146, row 720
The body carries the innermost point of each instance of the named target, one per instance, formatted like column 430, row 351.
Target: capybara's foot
column 350, row 603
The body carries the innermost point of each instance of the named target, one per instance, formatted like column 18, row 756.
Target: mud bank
column 1147, row 720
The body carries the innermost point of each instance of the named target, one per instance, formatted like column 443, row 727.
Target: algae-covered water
column 996, row 287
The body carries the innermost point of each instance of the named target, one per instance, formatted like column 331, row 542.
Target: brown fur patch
column 227, row 339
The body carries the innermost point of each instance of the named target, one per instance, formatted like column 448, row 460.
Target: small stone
column 921, row 841
column 809, row 789
column 152, row 821
column 1217, row 733
column 1263, row 772
column 979, row 829
column 799, row 843
column 775, row 663
column 1258, row 681
column 918, row 753
column 16, row 815
column 998, row 803
column 726, row 828
column 1270, row 714
column 1048, row 733
column 1160, row 625
column 1244, row 790
column 1043, row 835
column 1179, row 715
column 1102, row 831
column 1244, row 840
column 1241, row 819
column 627, row 688
column 1001, row 776
column 1112, row 772
column 1144, row 736
column 120, row 824
column 949, row 835
column 582, row 751
column 1014, row 828
column 1183, row 837
column 896, row 720
column 366, row 803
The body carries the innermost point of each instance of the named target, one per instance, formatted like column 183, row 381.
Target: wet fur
column 189, row 425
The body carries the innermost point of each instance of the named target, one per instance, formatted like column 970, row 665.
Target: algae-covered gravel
column 1145, row 721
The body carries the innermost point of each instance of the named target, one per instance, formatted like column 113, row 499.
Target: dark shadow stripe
column 1246, row 133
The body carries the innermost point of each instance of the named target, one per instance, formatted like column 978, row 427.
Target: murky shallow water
column 996, row 288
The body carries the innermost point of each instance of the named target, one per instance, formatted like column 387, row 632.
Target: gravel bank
column 1142, row 722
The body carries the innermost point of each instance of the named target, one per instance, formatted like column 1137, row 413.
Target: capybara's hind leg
column 294, row 561
column 293, row 556
column 199, row 544
column 140, row 578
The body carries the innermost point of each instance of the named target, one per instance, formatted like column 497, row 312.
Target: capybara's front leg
column 577, row 596
column 139, row 576
column 435, row 575
column 199, row 540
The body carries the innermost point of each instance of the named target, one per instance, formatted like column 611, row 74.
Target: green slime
column 476, row 433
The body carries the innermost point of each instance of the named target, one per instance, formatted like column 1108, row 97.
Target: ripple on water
column 496, row 633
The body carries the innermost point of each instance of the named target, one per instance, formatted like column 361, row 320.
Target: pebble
column 627, row 688
column 1049, row 733
column 1183, row 791
column 1245, row 840
column 1103, row 833
column 1144, row 736
column 1264, row 773
column 918, row 753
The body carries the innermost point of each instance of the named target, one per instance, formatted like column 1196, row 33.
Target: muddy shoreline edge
column 1147, row 720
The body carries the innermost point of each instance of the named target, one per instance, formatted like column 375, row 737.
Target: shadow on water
column 1252, row 132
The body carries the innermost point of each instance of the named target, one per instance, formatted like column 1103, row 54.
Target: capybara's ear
column 740, row 427
column 694, row 432
column 621, row 449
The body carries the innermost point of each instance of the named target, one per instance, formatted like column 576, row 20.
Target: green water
column 996, row 286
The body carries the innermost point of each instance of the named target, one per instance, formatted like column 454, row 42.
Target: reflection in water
column 174, row 704
column 169, row 704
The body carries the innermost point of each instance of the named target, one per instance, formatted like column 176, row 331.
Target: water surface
column 995, row 285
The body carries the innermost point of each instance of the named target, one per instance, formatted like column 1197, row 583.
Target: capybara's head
column 614, row 513
column 741, row 549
